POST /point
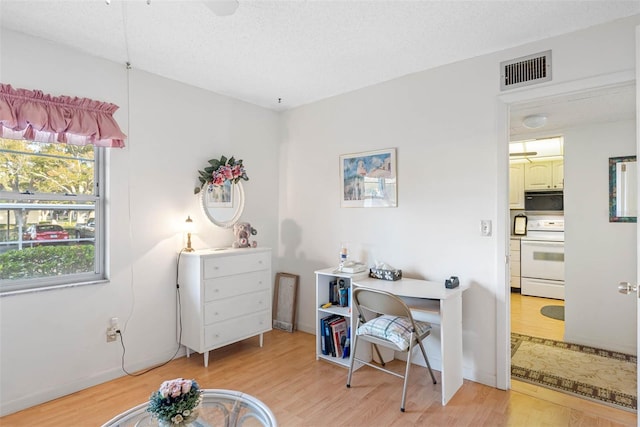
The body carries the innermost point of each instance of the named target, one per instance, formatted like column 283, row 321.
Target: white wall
column 444, row 125
column 53, row 342
column 599, row 253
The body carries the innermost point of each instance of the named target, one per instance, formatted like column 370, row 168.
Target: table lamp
column 188, row 228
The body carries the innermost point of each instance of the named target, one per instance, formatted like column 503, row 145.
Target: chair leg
column 426, row 359
column 353, row 359
column 406, row 375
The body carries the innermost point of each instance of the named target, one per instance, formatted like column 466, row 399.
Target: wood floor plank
column 526, row 319
column 302, row 391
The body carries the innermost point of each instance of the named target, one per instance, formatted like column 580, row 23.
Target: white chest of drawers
column 225, row 297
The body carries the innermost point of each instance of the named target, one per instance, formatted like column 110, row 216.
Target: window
column 51, row 214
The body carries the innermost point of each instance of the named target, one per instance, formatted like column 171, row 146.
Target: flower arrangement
column 222, row 170
column 175, row 403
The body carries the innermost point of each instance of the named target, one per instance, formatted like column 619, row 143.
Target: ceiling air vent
column 525, row 71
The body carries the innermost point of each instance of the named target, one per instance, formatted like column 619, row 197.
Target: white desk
column 432, row 302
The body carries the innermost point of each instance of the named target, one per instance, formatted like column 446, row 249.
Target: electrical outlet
column 112, row 335
column 112, row 330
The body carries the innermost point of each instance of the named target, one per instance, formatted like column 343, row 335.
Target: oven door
column 542, row 259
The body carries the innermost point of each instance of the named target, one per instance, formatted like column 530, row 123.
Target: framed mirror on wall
column 222, row 205
column 623, row 189
column 221, row 194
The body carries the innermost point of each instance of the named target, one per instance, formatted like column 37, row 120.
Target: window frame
column 99, row 275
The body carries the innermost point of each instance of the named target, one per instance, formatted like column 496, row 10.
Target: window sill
column 50, row 288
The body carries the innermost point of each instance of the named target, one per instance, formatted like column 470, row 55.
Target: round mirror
column 222, row 204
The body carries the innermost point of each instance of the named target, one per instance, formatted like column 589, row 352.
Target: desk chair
column 385, row 320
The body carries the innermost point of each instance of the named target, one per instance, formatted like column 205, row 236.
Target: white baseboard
column 41, row 396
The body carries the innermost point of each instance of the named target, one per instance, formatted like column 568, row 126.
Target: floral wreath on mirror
column 220, row 171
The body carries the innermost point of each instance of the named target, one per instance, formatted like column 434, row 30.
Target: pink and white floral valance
column 36, row 116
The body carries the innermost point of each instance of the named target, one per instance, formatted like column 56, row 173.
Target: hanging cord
column 126, row 36
column 179, row 304
column 128, row 90
column 179, row 322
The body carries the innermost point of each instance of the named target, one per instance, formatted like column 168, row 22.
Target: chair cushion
column 392, row 328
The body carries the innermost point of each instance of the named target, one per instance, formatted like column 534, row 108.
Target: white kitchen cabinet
column 514, row 262
column 225, row 297
column 558, row 174
column 324, row 278
column 516, row 186
column 548, row 175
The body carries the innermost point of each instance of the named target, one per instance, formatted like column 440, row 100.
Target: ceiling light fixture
column 524, row 154
column 534, row 121
column 222, row 7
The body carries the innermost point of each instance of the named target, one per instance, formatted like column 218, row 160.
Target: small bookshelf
column 326, row 280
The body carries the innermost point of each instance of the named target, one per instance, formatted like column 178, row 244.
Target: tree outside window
column 51, row 211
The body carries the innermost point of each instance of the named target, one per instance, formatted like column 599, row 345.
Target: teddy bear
column 243, row 231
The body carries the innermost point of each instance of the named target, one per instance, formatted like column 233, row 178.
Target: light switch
column 485, row 227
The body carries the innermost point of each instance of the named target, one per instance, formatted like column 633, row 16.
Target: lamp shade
column 188, row 225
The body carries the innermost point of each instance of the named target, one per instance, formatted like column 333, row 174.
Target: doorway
column 588, row 117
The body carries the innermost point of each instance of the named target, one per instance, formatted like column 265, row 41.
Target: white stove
column 542, row 257
column 545, row 227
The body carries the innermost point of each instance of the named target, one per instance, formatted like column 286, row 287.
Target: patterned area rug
column 600, row 375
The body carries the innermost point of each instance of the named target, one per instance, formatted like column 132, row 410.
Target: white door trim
column 637, row 278
column 504, row 101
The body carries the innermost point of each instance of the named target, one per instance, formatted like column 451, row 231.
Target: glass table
column 219, row 408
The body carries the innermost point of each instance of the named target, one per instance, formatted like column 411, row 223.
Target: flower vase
column 180, row 420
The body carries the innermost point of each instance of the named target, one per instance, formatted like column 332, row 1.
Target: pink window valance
column 36, row 116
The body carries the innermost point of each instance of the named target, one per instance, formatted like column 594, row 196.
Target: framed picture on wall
column 368, row 179
column 219, row 196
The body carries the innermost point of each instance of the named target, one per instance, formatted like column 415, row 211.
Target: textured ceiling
column 299, row 51
column 576, row 109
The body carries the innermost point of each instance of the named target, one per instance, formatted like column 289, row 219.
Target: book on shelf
column 338, row 330
column 334, row 293
column 346, row 348
column 323, row 343
column 326, row 335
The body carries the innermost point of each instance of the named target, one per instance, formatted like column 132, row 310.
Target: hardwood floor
column 526, row 319
column 301, row 391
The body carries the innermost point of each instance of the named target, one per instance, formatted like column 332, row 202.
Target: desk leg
column 451, row 346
